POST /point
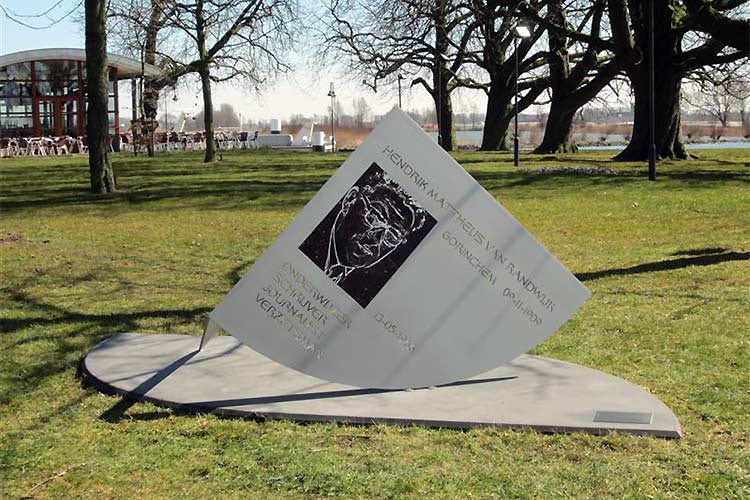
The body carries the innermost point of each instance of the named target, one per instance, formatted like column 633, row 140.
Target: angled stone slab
column 401, row 272
column 228, row 378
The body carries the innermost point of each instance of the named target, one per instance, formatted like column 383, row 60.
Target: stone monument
column 401, row 273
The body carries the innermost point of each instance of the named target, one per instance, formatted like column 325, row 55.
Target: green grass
column 667, row 263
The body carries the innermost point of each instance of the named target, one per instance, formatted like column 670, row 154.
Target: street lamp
column 441, row 60
column 521, row 32
column 651, row 97
column 332, row 95
column 400, row 77
column 166, row 116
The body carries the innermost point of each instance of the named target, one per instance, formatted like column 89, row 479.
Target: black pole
column 651, row 96
column 399, row 91
column 332, row 95
column 166, row 116
column 439, row 100
column 333, row 133
column 516, row 153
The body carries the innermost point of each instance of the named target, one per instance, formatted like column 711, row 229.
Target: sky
column 300, row 92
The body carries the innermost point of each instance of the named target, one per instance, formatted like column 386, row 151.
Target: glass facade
column 48, row 98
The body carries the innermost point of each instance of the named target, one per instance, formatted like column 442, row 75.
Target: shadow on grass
column 237, row 272
column 112, row 322
column 72, row 334
column 217, row 195
column 570, row 178
column 668, row 265
column 700, row 251
column 280, row 180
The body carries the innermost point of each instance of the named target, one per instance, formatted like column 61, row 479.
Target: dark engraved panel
column 368, row 235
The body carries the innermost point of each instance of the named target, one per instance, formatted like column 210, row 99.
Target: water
column 474, row 137
column 707, row 145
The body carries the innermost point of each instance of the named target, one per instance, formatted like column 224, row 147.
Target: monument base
column 228, row 378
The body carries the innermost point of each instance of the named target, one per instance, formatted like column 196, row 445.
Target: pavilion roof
column 126, row 67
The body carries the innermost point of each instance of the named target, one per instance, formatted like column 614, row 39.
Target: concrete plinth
column 228, row 378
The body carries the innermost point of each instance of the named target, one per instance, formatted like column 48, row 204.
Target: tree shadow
column 199, row 194
column 81, row 331
column 237, row 272
column 667, row 265
column 700, row 251
column 278, row 179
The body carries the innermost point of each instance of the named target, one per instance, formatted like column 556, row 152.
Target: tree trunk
column 667, row 111
column 668, row 85
column 558, row 134
column 441, row 80
column 150, row 109
column 447, row 131
column 97, row 82
column 151, row 86
column 444, row 112
column 208, row 116
column 497, row 118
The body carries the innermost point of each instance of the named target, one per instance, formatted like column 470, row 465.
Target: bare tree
column 493, row 50
column 684, row 42
column 97, row 85
column 226, row 116
column 423, row 40
column 137, row 28
column 338, row 113
column 720, row 90
column 720, row 100
column 475, row 116
column 218, row 40
column 577, row 68
column 362, row 111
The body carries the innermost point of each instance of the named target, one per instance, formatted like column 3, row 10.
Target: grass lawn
column 667, row 262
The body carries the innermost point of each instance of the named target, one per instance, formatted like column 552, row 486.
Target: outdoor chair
column 6, row 148
column 61, row 146
column 35, row 147
column 82, row 144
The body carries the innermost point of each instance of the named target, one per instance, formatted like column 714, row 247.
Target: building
column 42, row 92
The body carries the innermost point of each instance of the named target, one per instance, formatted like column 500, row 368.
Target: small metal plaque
column 623, row 417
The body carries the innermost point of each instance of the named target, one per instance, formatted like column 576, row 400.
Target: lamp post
column 332, row 95
column 400, row 77
column 521, row 32
column 166, row 116
column 651, row 97
column 441, row 60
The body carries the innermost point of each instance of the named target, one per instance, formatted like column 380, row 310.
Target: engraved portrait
column 368, row 235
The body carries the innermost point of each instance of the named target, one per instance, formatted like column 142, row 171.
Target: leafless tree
column 719, row 101
column 687, row 37
column 362, row 111
column 580, row 65
column 226, row 116
column 338, row 113
column 218, row 40
column 423, row 40
column 137, row 28
column 720, row 90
